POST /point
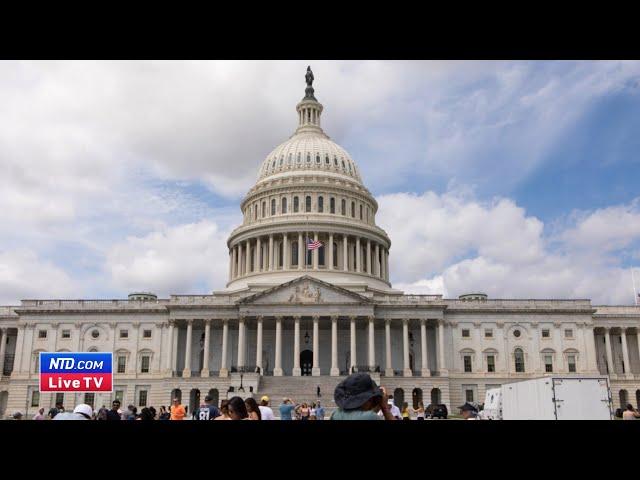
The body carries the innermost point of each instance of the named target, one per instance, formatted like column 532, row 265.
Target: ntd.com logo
column 76, row 372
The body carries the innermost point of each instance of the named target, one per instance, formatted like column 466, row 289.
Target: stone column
column 423, row 347
column 377, row 271
column 224, row 371
column 239, row 256
column 384, row 264
column 241, row 343
column 230, row 264
column 301, row 259
column 258, row 254
column 316, row 252
column 17, row 359
column 335, row 370
column 205, row 353
column 247, row 259
column 625, row 353
column 315, row 371
column 259, row 345
column 330, row 251
column 388, row 371
column 3, row 347
column 353, row 354
column 405, row 349
column 234, row 262
column 369, row 263
column 187, row 355
column 277, row 369
column 637, row 339
column 345, row 254
column 285, row 252
column 607, row 344
column 271, row 252
column 296, row 347
column 358, row 255
column 372, row 344
column 441, row 357
column 170, row 351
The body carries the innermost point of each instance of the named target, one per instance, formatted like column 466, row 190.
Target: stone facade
column 291, row 320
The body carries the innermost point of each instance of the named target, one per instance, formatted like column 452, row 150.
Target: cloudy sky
column 518, row 179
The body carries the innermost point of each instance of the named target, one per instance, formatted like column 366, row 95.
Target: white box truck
column 550, row 398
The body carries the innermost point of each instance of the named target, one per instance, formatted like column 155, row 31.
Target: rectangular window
column 59, row 398
column 332, row 205
column 468, row 395
column 344, row 207
column 146, row 334
column 465, row 332
column 545, row 333
column 66, row 333
column 120, row 395
column 488, row 333
column 142, row 400
column 122, row 364
column 307, row 204
column 144, row 364
column 320, row 204
column 571, row 360
column 89, row 399
column 491, row 363
column 568, row 333
column 548, row 363
column 124, row 333
column 467, row 363
column 42, row 334
column 35, row 398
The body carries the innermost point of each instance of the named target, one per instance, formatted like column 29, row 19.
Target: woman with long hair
column 253, row 409
column 420, row 411
column 405, row 411
column 224, row 410
column 305, row 412
column 237, row 409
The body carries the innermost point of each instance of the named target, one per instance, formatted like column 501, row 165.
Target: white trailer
column 551, row 398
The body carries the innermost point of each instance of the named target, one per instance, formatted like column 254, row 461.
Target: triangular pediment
column 305, row 290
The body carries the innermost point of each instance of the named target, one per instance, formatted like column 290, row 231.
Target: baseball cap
column 468, row 407
column 264, row 398
column 84, row 410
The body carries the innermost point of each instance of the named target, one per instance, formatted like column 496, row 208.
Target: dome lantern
column 309, row 109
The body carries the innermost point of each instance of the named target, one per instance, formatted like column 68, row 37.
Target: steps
column 300, row 389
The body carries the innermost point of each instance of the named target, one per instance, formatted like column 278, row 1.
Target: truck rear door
column 581, row 399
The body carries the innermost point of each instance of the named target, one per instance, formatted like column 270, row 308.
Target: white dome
column 309, row 151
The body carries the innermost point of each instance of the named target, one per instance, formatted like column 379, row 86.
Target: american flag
column 313, row 244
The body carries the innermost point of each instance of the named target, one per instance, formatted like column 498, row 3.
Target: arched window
column 326, row 159
column 343, row 165
column 332, row 205
column 273, row 206
column 518, row 356
column 264, row 209
column 307, row 203
column 175, row 393
column 299, row 157
column 318, row 158
column 335, row 161
column 194, row 399
column 308, row 158
column 213, row 393
column 344, row 207
column 624, row 398
column 281, row 160
column 353, row 209
column 349, row 164
column 284, row 204
column 398, row 397
column 416, row 396
column 296, row 204
column 294, row 254
column 320, row 204
column 360, row 212
column 335, row 255
column 321, row 256
column 435, row 396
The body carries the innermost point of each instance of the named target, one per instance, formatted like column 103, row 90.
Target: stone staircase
column 300, row 389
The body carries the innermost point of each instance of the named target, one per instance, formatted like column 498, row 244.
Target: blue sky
column 514, row 178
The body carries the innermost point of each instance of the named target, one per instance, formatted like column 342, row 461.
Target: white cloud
column 454, row 244
column 189, row 258
column 24, row 275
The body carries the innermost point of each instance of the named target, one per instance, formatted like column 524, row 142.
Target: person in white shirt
column 395, row 411
column 265, row 411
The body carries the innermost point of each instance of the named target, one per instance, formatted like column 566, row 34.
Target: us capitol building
column 291, row 320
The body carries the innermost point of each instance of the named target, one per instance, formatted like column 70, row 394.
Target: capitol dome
column 309, row 213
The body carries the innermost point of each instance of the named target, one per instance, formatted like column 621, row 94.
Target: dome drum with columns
column 309, row 188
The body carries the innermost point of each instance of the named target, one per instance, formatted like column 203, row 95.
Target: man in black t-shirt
column 113, row 414
column 206, row 411
column 56, row 410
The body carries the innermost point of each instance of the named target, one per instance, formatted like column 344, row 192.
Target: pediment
column 305, row 290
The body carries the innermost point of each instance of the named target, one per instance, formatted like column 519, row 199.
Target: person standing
column 318, row 391
column 405, row 411
column 39, row 415
column 164, row 414
column 177, row 410
column 630, row 413
column 56, row 410
column 305, row 412
column 206, row 411
column 252, row 409
column 224, row 410
column 114, row 413
column 81, row 412
column 319, row 411
column 265, row 411
column 238, row 409
column 286, row 408
column 359, row 398
column 420, row 411
column 469, row 411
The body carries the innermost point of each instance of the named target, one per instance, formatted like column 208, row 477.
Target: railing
column 204, row 299
column 93, row 303
column 366, row 368
column 520, row 303
column 245, row 369
column 8, row 364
